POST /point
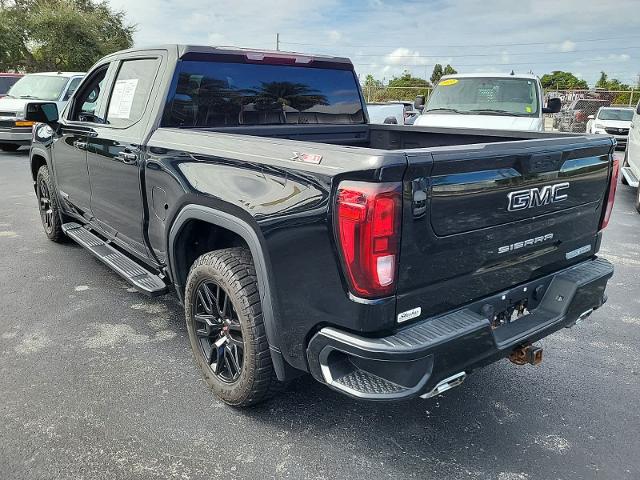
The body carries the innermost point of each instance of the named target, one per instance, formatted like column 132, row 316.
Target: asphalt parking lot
column 97, row 382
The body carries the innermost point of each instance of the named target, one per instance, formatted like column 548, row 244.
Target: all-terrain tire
column 50, row 213
column 233, row 271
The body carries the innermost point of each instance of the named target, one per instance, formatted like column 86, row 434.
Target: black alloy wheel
column 45, row 207
column 226, row 327
column 218, row 331
column 48, row 207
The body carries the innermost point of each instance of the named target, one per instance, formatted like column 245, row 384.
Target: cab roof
column 183, row 50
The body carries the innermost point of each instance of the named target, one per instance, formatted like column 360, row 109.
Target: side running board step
column 630, row 177
column 141, row 278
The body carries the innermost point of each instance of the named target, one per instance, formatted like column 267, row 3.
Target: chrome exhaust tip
column 446, row 384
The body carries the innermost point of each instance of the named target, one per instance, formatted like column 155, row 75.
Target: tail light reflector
column 368, row 231
column 611, row 196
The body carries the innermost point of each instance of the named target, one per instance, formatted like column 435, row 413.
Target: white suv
column 631, row 164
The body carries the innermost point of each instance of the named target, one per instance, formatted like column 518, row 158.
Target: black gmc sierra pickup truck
column 387, row 261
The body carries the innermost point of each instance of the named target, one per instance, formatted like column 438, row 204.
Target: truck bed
column 388, row 137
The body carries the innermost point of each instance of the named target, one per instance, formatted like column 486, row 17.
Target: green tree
column 437, row 73
column 370, row 81
column 602, row 82
column 38, row 35
column 406, row 87
column 563, row 80
column 408, row 80
column 449, row 70
column 613, row 84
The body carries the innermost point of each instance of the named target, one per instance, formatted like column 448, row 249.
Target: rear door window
column 130, row 91
column 218, row 94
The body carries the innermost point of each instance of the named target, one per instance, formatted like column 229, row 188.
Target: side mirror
column 591, row 117
column 391, row 119
column 419, row 102
column 553, row 106
column 638, row 109
column 42, row 113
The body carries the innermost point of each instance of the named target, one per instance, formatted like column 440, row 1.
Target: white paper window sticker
column 122, row 98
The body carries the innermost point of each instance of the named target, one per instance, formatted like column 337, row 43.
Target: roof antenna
column 512, row 73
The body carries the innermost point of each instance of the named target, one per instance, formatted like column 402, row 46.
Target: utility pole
column 277, row 41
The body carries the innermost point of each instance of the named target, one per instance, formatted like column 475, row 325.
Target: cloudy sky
column 385, row 37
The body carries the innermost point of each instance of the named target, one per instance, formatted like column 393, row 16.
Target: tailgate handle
column 545, row 162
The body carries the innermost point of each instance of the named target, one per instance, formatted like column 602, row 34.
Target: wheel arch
column 37, row 160
column 178, row 269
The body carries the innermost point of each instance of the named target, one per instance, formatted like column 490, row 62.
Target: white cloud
column 404, row 56
column 397, row 33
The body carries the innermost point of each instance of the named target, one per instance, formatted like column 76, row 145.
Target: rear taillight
column 611, row 196
column 368, row 231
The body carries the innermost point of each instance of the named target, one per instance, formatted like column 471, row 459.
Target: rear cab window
column 228, row 94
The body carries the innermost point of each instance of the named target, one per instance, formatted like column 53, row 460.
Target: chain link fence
column 580, row 106
column 577, row 105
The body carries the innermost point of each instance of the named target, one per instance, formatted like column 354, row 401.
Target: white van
column 57, row 87
column 490, row 101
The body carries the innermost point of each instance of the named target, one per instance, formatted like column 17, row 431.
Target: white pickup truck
column 487, row 100
column 631, row 163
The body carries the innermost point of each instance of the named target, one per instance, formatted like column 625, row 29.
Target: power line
column 472, row 45
column 505, row 64
column 492, row 54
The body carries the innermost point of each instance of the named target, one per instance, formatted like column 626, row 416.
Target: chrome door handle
column 127, row 158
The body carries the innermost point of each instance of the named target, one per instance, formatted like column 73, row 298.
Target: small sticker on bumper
column 409, row 314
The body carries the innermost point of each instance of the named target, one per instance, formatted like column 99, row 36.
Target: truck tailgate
column 479, row 219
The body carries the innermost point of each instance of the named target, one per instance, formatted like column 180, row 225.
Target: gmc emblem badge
column 537, row 197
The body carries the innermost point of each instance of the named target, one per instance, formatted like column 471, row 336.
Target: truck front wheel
column 226, row 329
column 48, row 206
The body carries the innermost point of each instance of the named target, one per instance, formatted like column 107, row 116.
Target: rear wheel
column 638, row 199
column 226, row 329
column 9, row 147
column 625, row 163
column 48, row 206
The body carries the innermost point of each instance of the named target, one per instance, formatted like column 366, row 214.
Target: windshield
column 39, row 87
column 624, row 115
column 218, row 94
column 486, row 96
column 6, row 82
